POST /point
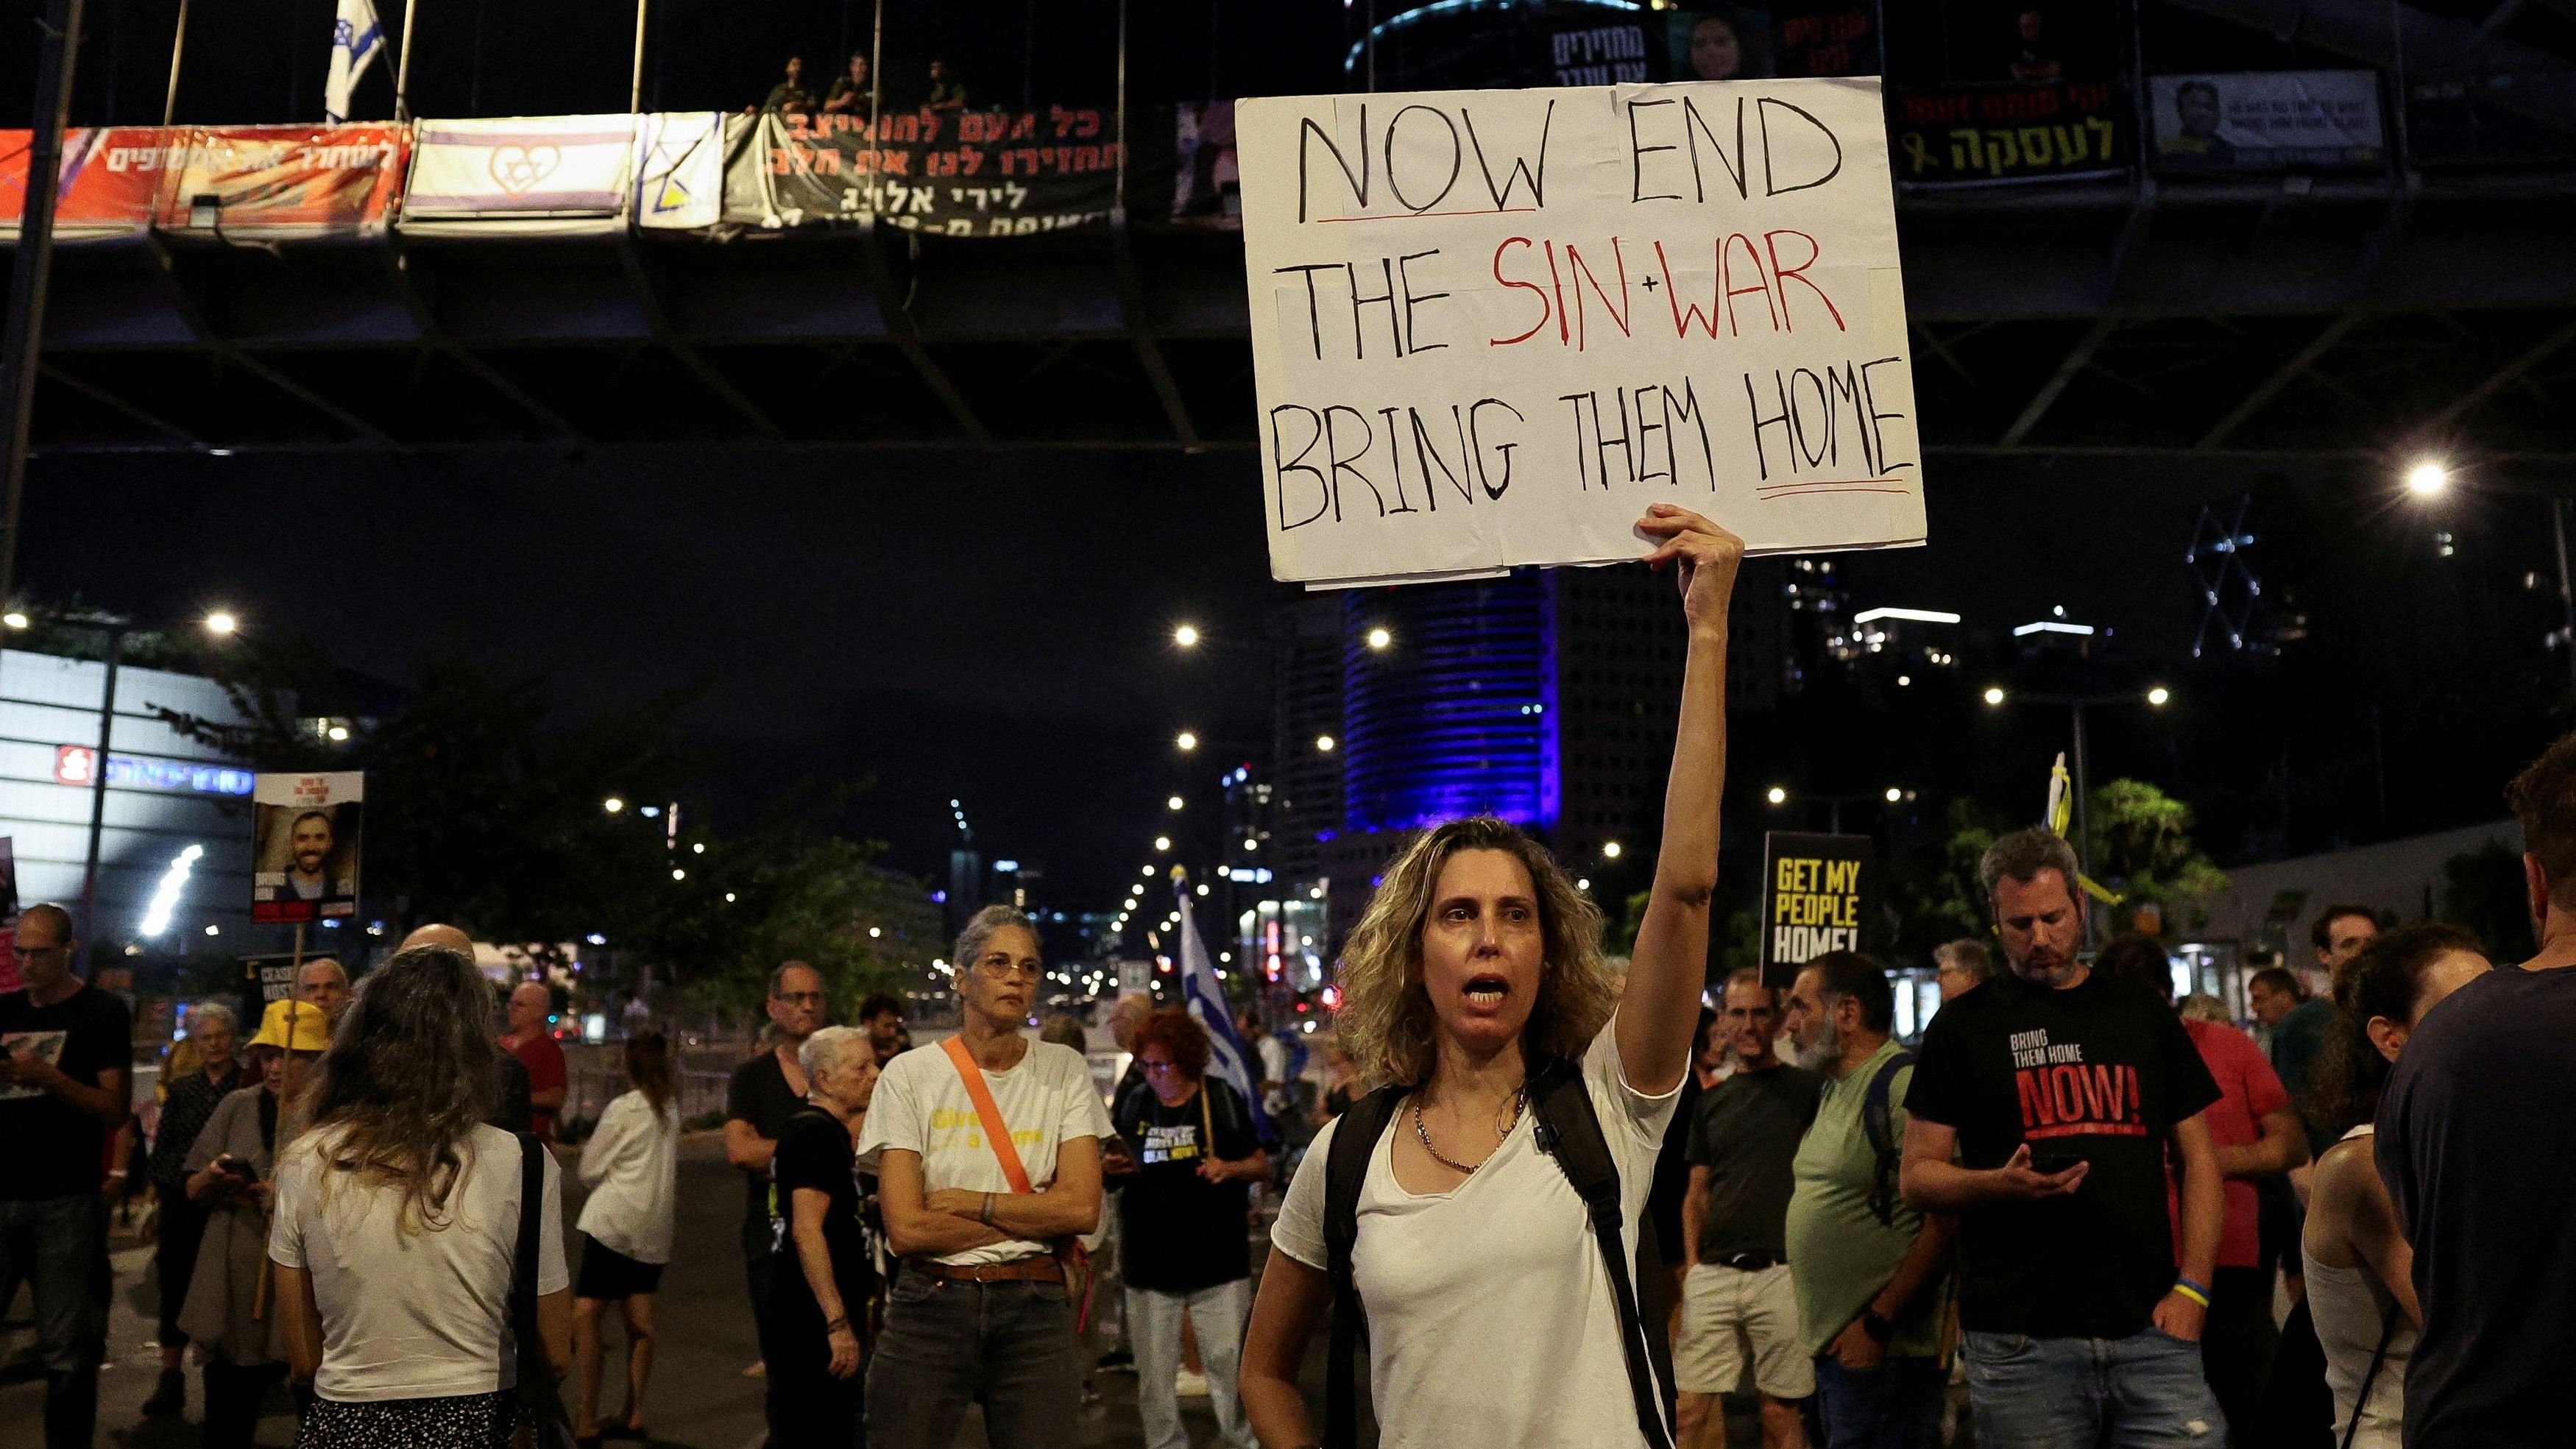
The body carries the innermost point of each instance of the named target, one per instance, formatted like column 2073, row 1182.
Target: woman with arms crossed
column 1492, row 1317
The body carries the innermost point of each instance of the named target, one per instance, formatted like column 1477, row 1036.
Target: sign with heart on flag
column 521, row 174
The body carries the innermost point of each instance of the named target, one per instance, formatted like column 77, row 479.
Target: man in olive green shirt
column 1870, row 1272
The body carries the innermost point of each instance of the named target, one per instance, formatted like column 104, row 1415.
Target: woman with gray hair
column 812, row 1328
column 398, row 1220
column 187, row 1100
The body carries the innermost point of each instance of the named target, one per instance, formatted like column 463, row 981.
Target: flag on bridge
column 1229, row 1056
column 356, row 40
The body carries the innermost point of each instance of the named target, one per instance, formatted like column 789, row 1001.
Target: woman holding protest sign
column 1476, row 989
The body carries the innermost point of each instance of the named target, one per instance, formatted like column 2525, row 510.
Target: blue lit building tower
column 1449, row 718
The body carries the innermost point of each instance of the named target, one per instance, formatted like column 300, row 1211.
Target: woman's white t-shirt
column 1490, row 1316
column 1046, row 1099
column 631, row 1166
column 420, row 1313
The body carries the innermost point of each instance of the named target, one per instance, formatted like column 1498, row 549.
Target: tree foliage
column 485, row 810
column 2142, row 849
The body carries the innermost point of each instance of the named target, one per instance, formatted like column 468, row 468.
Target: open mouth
column 1487, row 992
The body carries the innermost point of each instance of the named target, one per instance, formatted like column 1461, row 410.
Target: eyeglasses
column 800, row 998
column 1145, row 1066
column 1002, row 968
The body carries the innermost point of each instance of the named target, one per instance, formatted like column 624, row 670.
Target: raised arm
column 1669, row 968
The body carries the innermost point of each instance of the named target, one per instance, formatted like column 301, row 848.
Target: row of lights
column 221, row 622
column 1378, row 637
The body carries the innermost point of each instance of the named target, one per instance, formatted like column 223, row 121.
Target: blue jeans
column 1009, row 1345
column 2145, row 1391
column 57, row 1245
column 1896, row 1405
column 1154, row 1326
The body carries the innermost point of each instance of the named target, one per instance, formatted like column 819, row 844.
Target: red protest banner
column 285, row 181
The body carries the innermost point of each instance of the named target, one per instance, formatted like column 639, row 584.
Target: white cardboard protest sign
column 1490, row 327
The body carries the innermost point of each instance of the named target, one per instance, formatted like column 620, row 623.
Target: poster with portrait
column 305, row 850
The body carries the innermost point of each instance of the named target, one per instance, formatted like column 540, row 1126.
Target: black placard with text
column 1815, row 892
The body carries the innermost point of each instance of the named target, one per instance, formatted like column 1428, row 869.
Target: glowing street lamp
column 1894, row 795
column 1185, row 741
column 221, row 621
column 1610, row 850
column 1777, row 795
column 612, row 805
column 1174, row 803
column 1161, row 842
column 1323, row 744
column 2159, row 695
column 2428, row 478
column 1380, row 638
column 1994, row 694
column 1186, row 636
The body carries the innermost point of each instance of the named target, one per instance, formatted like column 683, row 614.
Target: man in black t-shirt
column 64, row 1049
column 1184, row 1225
column 2041, row 1112
column 763, row 1094
column 2478, row 1149
column 1739, row 1304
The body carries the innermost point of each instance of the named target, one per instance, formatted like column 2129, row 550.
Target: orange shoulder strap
column 996, row 1131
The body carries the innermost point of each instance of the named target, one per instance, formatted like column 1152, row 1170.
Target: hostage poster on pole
column 1814, row 892
column 305, row 853
column 1490, row 327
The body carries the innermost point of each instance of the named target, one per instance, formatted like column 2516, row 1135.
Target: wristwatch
column 1876, row 1326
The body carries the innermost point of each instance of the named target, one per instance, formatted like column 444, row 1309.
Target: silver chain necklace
column 1452, row 1163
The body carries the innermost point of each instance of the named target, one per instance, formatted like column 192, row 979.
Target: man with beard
column 1737, row 1299
column 309, row 841
column 1868, row 1269
column 2041, row 1111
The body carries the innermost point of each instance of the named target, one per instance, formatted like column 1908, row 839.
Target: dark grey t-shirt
column 1746, row 1133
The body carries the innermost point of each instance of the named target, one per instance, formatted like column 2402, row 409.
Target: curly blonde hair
column 1386, row 1020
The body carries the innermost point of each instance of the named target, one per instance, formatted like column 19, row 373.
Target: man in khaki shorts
column 1737, row 1301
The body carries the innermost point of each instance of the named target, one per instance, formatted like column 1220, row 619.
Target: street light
column 221, row 622
column 1174, row 803
column 1186, row 741
column 1379, row 637
column 1186, row 636
column 1777, row 795
column 1323, row 744
column 612, row 805
column 2427, row 478
column 1161, row 842
column 1609, row 850
column 1894, row 795
column 15, row 620
column 2158, row 696
column 1994, row 694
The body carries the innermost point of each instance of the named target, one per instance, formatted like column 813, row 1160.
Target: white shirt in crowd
column 419, row 1313
column 1491, row 1320
column 921, row 1105
column 631, row 1166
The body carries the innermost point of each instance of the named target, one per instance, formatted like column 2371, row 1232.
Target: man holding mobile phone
column 2040, row 1112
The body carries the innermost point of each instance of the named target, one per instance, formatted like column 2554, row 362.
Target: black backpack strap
column 1878, row 1123
column 1569, row 1130
column 523, row 1265
column 1354, row 1141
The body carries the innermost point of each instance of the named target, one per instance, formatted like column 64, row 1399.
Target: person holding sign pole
column 1481, row 1211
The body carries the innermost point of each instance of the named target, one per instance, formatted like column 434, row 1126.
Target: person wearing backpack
column 1871, row 1273
column 1478, row 1215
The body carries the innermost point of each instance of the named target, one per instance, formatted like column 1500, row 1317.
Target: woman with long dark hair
column 631, row 1166
column 2360, row 1269
column 1475, row 986
column 398, row 1218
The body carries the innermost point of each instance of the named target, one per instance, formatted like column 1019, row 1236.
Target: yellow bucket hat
column 295, row 1026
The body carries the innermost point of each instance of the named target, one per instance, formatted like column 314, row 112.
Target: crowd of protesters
column 1549, row 1201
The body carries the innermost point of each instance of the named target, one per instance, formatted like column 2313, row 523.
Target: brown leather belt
column 1040, row 1269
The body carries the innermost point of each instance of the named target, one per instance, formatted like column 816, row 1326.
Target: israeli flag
column 1228, row 1055
column 356, row 41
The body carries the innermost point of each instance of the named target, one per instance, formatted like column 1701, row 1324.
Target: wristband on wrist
column 987, row 1214
column 837, row 1325
column 2192, row 1291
